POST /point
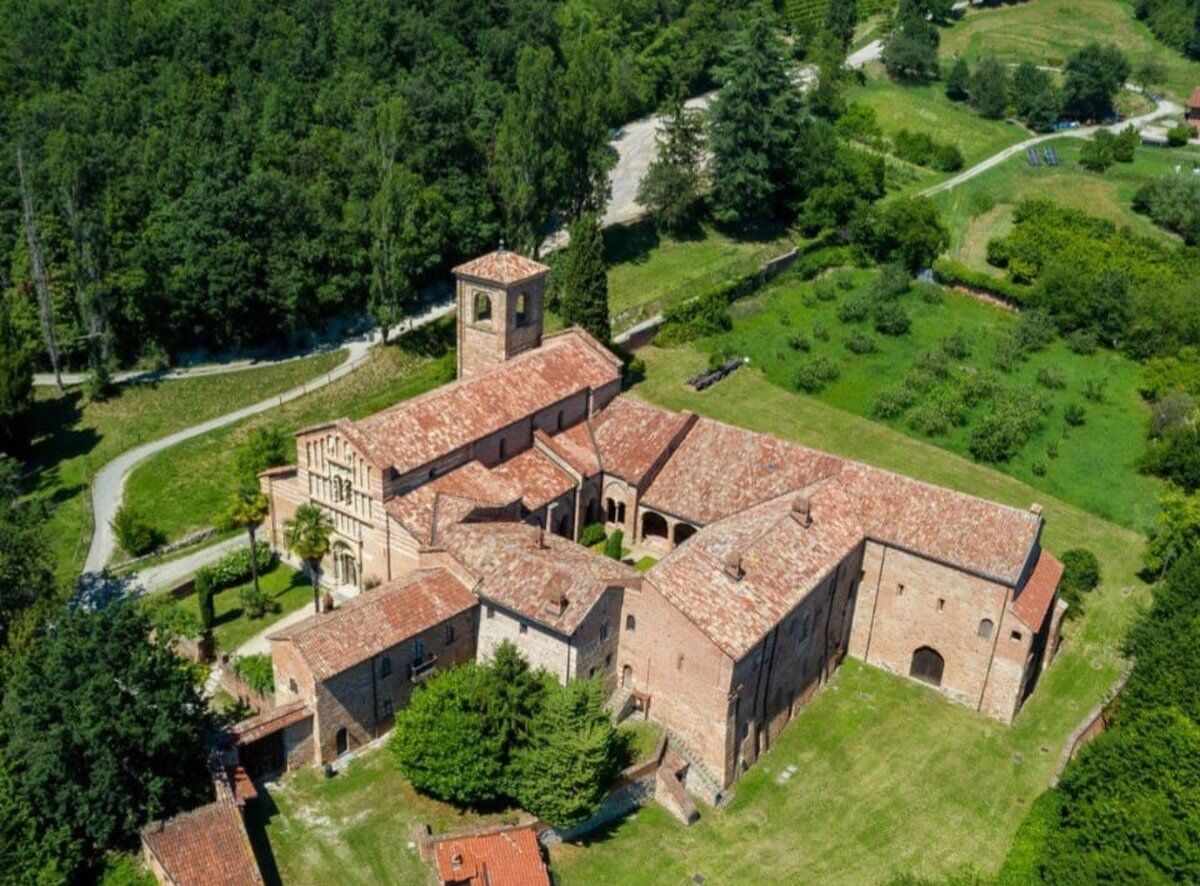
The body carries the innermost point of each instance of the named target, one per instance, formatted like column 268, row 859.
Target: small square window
column 608, row 660
column 899, row 590
column 491, row 612
column 449, row 634
column 1016, row 636
column 941, row 603
column 524, row 629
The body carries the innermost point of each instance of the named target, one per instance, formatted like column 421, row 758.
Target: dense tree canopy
column 229, row 174
column 1094, row 76
column 25, row 575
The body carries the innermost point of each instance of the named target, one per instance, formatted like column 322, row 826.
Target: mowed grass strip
column 1046, row 32
column 1094, row 466
column 891, row 777
column 188, row 486
column 73, row 437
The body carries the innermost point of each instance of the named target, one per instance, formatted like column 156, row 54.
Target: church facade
column 456, row 517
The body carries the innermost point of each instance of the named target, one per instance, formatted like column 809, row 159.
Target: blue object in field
column 1032, row 155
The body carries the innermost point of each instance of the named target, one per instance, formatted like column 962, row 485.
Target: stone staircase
column 213, row 681
column 698, row 779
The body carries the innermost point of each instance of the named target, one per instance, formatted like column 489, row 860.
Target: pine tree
column 584, row 300
column 572, row 757
column 515, row 694
column 840, row 19
column 958, row 81
column 671, row 188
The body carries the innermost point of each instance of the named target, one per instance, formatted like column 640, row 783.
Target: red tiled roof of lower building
column 281, row 471
column 205, row 847
column 418, row 431
column 536, row 475
column 514, row 572
column 720, row 469
column 507, row 858
column 269, row 722
column 376, row 620
column 502, row 267
column 1032, row 604
column 450, row 498
column 574, row 446
column 631, row 436
column 780, row 559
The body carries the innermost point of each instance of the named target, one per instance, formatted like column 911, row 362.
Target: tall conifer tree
column 585, row 280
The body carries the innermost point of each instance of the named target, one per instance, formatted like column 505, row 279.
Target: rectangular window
column 1016, row 635
column 941, row 603
column 418, row 650
column 524, row 629
column 449, row 634
column 385, row 665
column 387, row 708
column 603, row 632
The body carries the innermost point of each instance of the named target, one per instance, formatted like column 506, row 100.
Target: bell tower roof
column 502, row 267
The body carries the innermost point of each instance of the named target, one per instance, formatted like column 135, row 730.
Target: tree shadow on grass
column 631, row 243
column 259, row 813
column 55, row 436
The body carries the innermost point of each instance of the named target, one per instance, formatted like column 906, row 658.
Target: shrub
column 859, row 342
column 934, row 361
column 956, row 345
column 893, row 281
column 134, row 533
column 929, row 418
column 256, row 671
column 1083, row 342
column 1172, row 411
column 825, row 290
column 843, row 279
column 947, row 158
column 1177, row 136
column 1002, row 432
column 1173, row 202
column 255, row 602
column 799, row 343
column 930, row 293
column 820, row 332
column 1051, row 377
column 920, row 380
column 169, row 618
column 1052, row 450
column 854, row 309
column 614, row 545
column 1081, row 569
column 592, row 534
column 234, row 567
column 1038, row 468
column 893, row 402
column 951, row 273
column 1035, row 330
column 1176, row 457
column 97, row 386
column 1125, row 144
column 1097, row 152
column 697, row 318
column 815, row 374
column 891, row 319
column 1074, row 414
column 205, row 587
column 264, row 448
column 1095, row 388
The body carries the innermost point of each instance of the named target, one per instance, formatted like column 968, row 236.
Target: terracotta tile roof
column 269, row 722
column 502, row 266
column 780, row 561
column 514, row 572
column 205, row 847
column 720, row 469
column 450, row 498
column 536, row 475
column 376, row 620
column 631, row 436
column 982, row 536
column 575, row 446
column 416, row 432
column 507, row 858
column 1032, row 604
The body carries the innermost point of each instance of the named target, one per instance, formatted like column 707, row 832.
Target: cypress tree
column 584, row 299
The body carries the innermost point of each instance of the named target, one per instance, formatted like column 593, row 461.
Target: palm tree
column 308, row 538
column 247, row 509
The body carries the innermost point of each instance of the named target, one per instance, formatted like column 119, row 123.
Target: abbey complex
column 456, row 521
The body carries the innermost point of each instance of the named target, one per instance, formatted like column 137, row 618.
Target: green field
column 187, row 486
column 981, row 208
column 926, row 109
column 73, row 438
column 1047, row 31
column 1112, row 434
column 647, row 271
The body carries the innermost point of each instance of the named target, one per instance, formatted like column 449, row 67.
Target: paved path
column 166, row 575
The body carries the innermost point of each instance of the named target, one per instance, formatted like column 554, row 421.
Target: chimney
column 556, row 600
column 1035, row 509
column 733, row 566
column 802, row 510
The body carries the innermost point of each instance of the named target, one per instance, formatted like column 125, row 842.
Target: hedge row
column 952, row 273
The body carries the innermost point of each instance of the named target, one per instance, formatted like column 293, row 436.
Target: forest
column 181, row 176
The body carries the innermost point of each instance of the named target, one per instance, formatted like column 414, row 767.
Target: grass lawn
column 647, row 271
column 1048, row 31
column 642, row 736
column 891, row 776
column 73, row 438
column 644, row 564
column 354, row 828
column 981, row 208
column 926, row 109
column 1112, row 434
column 187, row 486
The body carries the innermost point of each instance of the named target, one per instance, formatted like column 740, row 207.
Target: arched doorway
column 563, row 526
column 683, row 531
column 627, row 677
column 341, row 741
column 927, row 666
column 654, row 525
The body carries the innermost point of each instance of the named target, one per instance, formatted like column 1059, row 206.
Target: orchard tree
column 584, row 299
column 1094, row 76
column 670, row 190
column 104, row 730
column 958, row 81
column 989, row 89
column 910, row 50
column 573, row 755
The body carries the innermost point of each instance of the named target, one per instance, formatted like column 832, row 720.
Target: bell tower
column 500, row 297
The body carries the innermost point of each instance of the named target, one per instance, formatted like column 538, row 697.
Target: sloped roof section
column 1032, row 604
column 510, row 857
column 631, row 436
column 452, row 497
column 205, row 847
column 503, row 267
column 524, row 569
column 418, row 431
column 574, row 446
column 376, row 620
column 536, row 475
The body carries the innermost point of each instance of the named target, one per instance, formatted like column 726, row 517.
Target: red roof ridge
column 588, row 339
column 1032, row 603
column 502, row 266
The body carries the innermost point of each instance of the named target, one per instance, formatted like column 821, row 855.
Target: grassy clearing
column 187, row 486
column 1047, row 31
column 1112, row 434
column 73, row 438
column 926, row 109
column 892, row 777
column 647, row 271
column 354, row 828
column 981, row 208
